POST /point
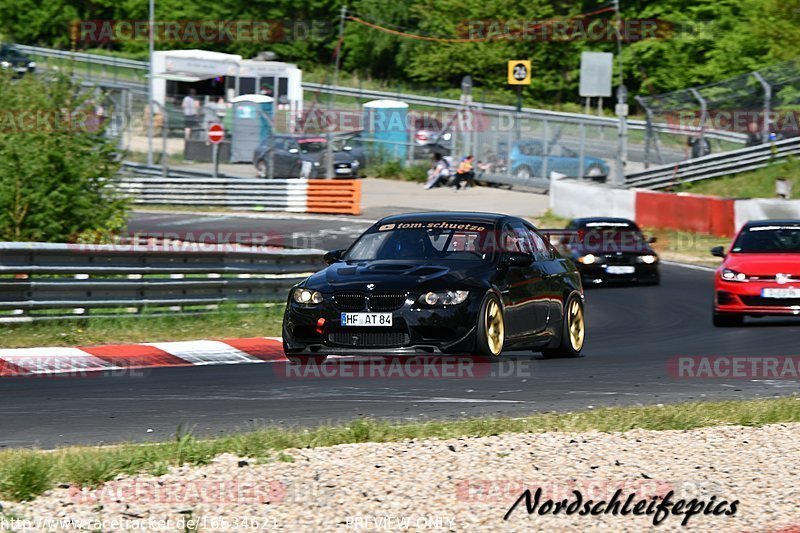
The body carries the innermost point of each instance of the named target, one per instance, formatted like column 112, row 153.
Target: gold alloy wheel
column 495, row 330
column 575, row 324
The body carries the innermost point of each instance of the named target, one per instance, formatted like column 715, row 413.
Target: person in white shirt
column 190, row 108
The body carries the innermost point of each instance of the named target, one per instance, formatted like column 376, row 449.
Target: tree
column 57, row 166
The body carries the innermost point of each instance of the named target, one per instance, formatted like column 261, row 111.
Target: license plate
column 366, row 319
column 343, row 171
column 789, row 292
column 620, row 269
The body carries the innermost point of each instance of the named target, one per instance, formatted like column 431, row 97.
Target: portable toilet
column 385, row 126
column 251, row 124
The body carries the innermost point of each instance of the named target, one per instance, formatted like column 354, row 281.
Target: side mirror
column 652, row 240
column 518, row 259
column 294, row 151
column 334, row 256
column 718, row 251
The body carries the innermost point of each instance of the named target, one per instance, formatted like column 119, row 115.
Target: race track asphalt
column 632, row 334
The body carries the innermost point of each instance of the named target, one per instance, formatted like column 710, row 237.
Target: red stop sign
column 216, row 133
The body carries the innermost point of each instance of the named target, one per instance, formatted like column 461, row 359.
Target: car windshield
column 423, row 241
column 609, row 236
column 769, row 239
column 312, row 147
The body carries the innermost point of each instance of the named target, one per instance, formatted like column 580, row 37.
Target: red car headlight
column 731, row 275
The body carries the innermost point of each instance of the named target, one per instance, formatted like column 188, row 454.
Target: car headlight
column 307, row 296
column 443, row 298
column 32, row 64
column 732, row 275
column 5, row 64
column 587, row 259
column 647, row 259
column 447, row 136
column 316, row 163
column 355, row 163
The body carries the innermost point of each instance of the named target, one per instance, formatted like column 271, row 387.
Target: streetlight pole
column 622, row 108
column 328, row 137
column 150, row 114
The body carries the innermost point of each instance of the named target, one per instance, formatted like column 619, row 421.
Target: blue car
column 526, row 161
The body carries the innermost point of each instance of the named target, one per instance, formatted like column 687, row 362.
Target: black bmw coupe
column 439, row 283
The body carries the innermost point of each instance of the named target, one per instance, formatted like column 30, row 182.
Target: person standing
column 190, row 108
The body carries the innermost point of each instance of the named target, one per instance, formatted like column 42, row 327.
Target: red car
column 760, row 275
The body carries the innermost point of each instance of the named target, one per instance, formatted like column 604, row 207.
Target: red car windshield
column 778, row 238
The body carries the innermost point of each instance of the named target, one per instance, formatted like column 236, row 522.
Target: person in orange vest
column 465, row 173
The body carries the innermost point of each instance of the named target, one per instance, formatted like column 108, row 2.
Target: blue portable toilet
column 385, row 124
column 250, row 125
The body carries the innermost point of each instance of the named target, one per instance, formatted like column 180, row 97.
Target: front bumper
column 415, row 330
column 598, row 273
column 744, row 298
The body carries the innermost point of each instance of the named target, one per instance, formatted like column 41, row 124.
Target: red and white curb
column 61, row 360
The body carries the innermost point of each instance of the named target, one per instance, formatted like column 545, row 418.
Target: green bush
column 56, row 164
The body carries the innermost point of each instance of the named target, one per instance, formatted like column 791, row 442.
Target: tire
column 721, row 320
column 490, row 335
column 573, row 330
column 261, row 168
column 523, row 172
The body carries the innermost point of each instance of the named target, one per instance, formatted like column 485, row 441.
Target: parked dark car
column 527, row 161
column 439, row 283
column 12, row 59
column 304, row 156
column 610, row 250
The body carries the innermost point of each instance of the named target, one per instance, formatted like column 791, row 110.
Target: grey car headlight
column 305, row 296
column 443, row 298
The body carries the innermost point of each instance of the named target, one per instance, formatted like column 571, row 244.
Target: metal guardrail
column 149, row 185
column 714, row 165
column 40, row 281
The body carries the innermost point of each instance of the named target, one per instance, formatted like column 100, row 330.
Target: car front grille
column 759, row 301
column 349, row 301
column 625, row 259
column 386, row 301
column 369, row 339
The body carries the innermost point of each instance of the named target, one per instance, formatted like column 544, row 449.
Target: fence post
column 648, row 130
column 545, row 148
column 581, row 148
column 767, row 105
column 703, row 116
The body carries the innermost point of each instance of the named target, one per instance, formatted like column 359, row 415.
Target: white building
column 214, row 74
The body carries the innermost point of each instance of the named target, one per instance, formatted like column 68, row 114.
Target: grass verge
column 226, row 323
column 24, row 474
column 755, row 184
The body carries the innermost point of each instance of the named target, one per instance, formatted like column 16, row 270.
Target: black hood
column 396, row 275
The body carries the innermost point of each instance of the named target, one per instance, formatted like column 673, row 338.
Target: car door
column 525, row 298
column 290, row 159
column 551, row 271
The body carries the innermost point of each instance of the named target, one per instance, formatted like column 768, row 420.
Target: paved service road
column 632, row 334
